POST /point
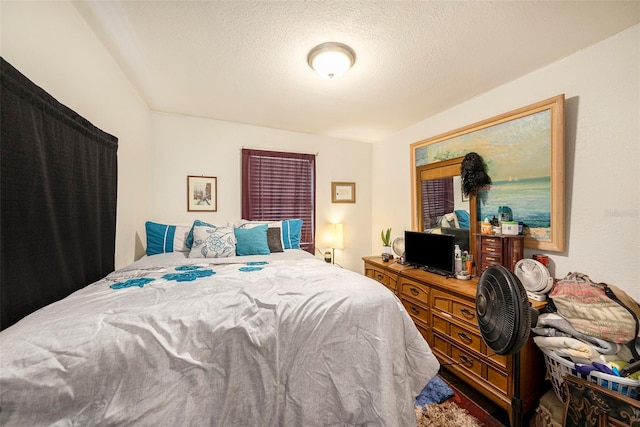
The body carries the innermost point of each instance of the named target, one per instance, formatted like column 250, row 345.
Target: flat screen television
column 432, row 252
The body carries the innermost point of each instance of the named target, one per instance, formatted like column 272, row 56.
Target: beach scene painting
column 522, row 156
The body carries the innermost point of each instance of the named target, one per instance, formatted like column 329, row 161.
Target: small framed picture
column 343, row 192
column 202, row 193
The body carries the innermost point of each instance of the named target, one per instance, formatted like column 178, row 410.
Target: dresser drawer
column 467, row 360
column 494, row 378
column 440, row 346
column 467, row 338
column 491, row 242
column 425, row 332
column 496, row 358
column 491, row 258
column 414, row 290
column 441, row 322
column 498, row 379
column 489, row 249
column 458, row 308
column 465, row 311
column 376, row 274
column 416, row 311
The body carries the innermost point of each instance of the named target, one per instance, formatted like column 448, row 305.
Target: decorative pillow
column 213, row 242
column 196, row 223
column 463, row 218
column 449, row 220
column 274, row 239
column 163, row 238
column 252, row 241
column 291, row 232
column 274, row 227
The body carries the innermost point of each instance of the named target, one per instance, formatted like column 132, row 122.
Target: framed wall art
column 343, row 192
column 524, row 153
column 202, row 193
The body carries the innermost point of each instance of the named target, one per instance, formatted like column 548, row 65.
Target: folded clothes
column 554, row 325
column 577, row 350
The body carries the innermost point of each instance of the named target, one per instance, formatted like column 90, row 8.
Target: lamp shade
column 334, row 237
column 338, row 236
column 331, row 59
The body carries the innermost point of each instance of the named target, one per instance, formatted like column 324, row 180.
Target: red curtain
column 437, row 200
column 277, row 186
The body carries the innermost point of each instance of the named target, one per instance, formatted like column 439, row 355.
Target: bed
column 283, row 339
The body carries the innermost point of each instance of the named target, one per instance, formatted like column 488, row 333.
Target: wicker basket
column 557, row 367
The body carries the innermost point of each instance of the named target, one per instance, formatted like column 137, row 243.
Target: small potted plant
column 385, row 235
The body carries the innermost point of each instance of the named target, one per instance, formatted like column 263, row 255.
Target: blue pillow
column 252, row 241
column 463, row 218
column 291, row 232
column 163, row 238
column 196, row 223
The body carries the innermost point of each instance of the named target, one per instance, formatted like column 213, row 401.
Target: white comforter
column 294, row 342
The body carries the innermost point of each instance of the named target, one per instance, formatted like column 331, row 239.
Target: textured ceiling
column 246, row 61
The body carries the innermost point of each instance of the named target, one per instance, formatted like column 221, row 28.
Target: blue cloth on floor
column 436, row 391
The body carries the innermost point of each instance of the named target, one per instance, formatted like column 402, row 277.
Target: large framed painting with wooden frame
column 524, row 153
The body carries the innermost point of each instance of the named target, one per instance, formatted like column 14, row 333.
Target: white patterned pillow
column 213, row 242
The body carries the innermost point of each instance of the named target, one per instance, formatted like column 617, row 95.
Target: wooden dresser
column 443, row 310
column 498, row 250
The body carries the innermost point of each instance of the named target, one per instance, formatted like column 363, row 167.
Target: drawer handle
column 414, row 310
column 380, row 276
column 467, row 313
column 491, row 249
column 466, row 361
column 414, row 291
column 464, row 337
column 489, row 258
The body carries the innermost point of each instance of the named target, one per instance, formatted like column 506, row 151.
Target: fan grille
column 533, row 275
column 398, row 246
column 504, row 315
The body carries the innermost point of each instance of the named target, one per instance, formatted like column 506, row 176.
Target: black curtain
column 58, row 198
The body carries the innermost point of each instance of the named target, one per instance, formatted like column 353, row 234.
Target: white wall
column 51, row 44
column 194, row 146
column 602, row 115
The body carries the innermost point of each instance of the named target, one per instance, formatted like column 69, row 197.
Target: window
column 277, row 186
column 437, row 200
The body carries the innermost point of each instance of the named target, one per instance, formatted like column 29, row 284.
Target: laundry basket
column 557, row 367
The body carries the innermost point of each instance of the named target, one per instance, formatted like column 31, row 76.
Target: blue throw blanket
column 436, row 391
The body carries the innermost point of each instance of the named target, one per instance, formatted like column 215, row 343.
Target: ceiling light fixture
column 331, row 59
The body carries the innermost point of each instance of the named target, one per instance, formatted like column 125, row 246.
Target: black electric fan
column 505, row 317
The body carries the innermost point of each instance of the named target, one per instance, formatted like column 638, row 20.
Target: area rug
column 446, row 414
column 442, row 405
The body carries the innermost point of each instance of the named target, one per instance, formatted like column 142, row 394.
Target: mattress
column 275, row 340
